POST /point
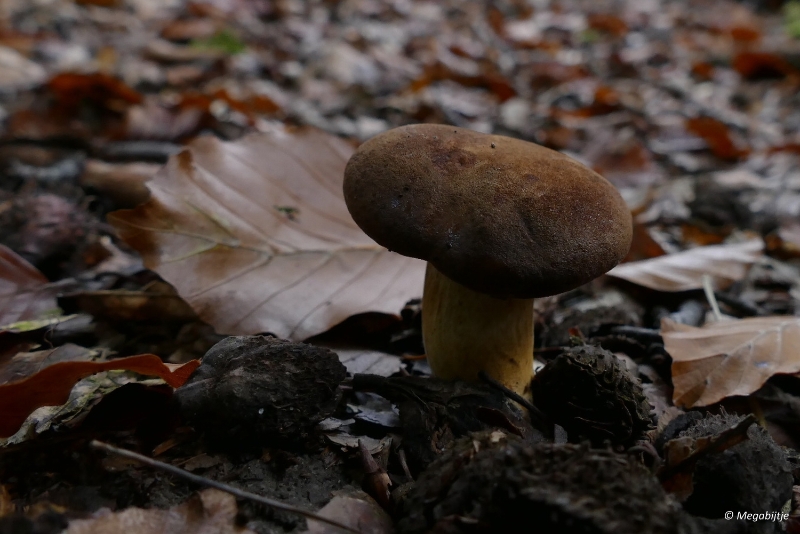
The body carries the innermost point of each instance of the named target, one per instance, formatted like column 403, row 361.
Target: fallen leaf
column 101, row 3
column 165, row 51
column 72, row 90
column 121, row 182
column 349, row 441
column 699, row 236
column 607, row 23
column 18, row 72
column 151, row 120
column 184, row 30
column 209, row 511
column 25, row 364
column 728, row 358
column 703, row 71
column 547, row 74
column 745, row 34
column 717, row 135
column 683, row 271
column 256, row 237
column 631, row 164
column 357, row 510
column 760, row 65
column 643, row 246
column 24, row 291
column 51, row 386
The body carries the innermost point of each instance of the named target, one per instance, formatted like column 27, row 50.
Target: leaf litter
column 690, row 110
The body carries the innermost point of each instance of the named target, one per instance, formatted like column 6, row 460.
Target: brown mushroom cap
column 498, row 215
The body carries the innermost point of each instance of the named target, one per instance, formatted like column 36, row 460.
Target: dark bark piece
column 252, row 389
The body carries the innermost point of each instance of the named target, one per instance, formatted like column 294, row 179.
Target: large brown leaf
column 729, row 358
column 684, row 270
column 255, row 235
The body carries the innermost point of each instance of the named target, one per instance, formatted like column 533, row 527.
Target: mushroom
column 500, row 222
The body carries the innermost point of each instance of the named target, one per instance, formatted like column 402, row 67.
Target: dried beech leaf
column 24, row 293
column 256, row 237
column 357, row 510
column 684, row 271
column 729, row 358
column 51, row 386
column 210, row 511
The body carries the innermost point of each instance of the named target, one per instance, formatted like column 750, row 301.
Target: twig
column 401, row 455
column 513, row 395
column 740, row 305
column 712, row 299
column 203, row 481
column 638, row 333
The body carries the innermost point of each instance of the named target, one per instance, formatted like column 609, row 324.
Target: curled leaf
column 684, row 271
column 51, row 386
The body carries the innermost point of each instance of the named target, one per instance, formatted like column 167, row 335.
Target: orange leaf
column 757, row 65
column 716, row 134
column 72, row 89
column 608, row 23
column 643, row 246
column 745, row 34
column 703, row 71
column 730, row 357
column 52, row 385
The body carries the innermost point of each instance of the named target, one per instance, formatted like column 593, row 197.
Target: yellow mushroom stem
column 466, row 332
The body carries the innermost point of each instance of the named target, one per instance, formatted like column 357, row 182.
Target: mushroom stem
column 466, row 332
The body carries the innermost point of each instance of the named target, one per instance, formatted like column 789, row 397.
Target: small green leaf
column 225, row 41
column 791, row 18
column 589, row 36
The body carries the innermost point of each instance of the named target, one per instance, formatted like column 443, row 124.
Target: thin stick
column 203, row 481
column 708, row 289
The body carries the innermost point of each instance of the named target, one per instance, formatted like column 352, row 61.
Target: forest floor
column 162, row 162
